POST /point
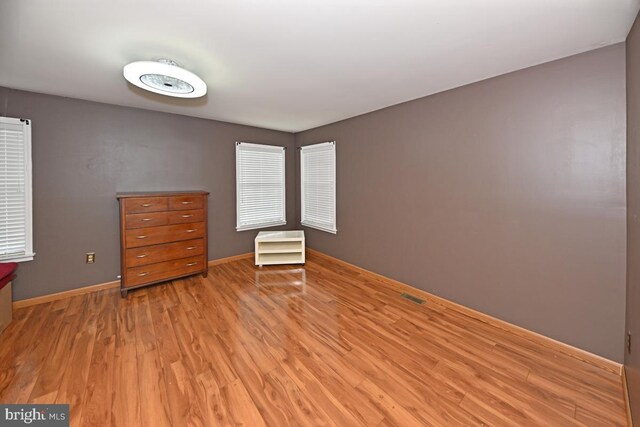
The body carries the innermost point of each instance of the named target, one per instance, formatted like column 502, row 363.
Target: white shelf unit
column 280, row 247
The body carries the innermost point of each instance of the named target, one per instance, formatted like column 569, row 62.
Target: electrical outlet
column 91, row 257
column 629, row 342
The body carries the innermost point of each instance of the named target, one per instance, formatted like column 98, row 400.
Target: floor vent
column 412, row 298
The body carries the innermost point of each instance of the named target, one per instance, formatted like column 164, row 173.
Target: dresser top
column 159, row 193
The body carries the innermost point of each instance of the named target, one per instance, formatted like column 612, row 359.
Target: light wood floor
column 319, row 345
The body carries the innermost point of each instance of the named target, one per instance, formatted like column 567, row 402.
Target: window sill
column 318, row 227
column 257, row 226
column 22, row 258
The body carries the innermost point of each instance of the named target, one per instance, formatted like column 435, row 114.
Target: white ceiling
column 293, row 64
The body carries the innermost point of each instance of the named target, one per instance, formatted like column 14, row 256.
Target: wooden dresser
column 163, row 236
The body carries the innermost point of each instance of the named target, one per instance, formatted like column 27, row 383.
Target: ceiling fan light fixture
column 165, row 77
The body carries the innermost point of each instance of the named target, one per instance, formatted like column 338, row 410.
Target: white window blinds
column 260, row 186
column 318, row 186
column 15, row 190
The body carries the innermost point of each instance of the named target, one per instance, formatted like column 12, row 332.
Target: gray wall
column 85, row 152
column 507, row 196
column 632, row 360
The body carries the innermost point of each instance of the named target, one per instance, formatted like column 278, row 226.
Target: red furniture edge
column 7, row 270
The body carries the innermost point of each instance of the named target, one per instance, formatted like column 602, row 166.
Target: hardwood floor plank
column 24, row 321
column 510, row 401
column 486, row 411
column 73, row 385
column 304, row 410
column 181, row 394
column 220, row 365
column 559, row 390
column 269, row 399
column 56, row 354
column 425, row 397
column 166, row 341
column 188, row 340
column 593, row 419
column 325, row 401
column 485, row 361
column 19, row 371
column 99, row 389
column 336, row 375
column 393, row 411
column 214, row 408
column 154, row 408
column 125, row 407
column 144, row 331
column 125, row 325
column 99, row 392
column 240, row 406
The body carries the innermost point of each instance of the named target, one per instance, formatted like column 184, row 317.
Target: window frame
column 261, row 147
column 28, row 189
column 318, row 146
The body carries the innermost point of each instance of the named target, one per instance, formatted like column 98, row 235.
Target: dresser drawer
column 178, row 203
column 150, row 219
column 180, row 217
column 145, row 204
column 163, row 270
column 158, row 253
column 169, row 233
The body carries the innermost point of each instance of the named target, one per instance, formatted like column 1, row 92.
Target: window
column 16, row 243
column 260, row 186
column 318, row 186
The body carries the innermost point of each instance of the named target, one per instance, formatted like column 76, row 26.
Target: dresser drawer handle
column 187, row 203
column 190, row 248
column 141, row 237
column 192, row 230
column 187, row 216
column 146, row 219
column 142, row 256
column 146, row 205
column 143, row 274
column 192, row 264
